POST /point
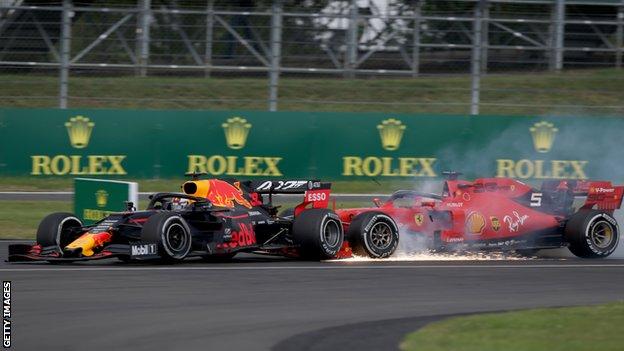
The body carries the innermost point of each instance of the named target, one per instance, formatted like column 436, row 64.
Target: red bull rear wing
column 285, row 186
column 316, row 193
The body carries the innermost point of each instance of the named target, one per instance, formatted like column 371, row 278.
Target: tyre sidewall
column 589, row 223
column 308, row 234
column 155, row 230
column 362, row 234
column 328, row 249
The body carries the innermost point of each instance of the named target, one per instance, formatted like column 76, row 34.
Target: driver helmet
column 178, row 204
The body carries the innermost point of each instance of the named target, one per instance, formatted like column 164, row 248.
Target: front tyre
column 318, row 232
column 170, row 232
column 592, row 234
column 58, row 229
column 373, row 234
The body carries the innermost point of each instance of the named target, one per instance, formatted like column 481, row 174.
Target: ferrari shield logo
column 495, row 223
column 419, row 218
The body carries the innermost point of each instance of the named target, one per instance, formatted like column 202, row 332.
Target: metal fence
column 437, row 56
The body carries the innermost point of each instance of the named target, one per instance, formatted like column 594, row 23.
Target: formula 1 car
column 213, row 218
column 502, row 214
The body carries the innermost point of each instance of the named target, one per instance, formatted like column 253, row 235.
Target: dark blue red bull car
column 211, row 218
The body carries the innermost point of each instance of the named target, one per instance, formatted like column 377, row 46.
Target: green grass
column 522, row 93
column 19, row 219
column 559, row 329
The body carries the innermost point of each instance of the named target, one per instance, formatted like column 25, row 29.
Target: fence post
column 276, row 51
column 209, row 37
column 476, row 57
column 485, row 37
column 558, row 35
column 65, row 53
column 352, row 40
column 619, row 37
column 416, row 38
column 143, row 36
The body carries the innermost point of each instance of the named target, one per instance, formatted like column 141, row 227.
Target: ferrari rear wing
column 602, row 195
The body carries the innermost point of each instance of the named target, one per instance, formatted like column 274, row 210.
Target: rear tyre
column 319, row 234
column 373, row 234
column 592, row 234
column 170, row 232
column 58, row 229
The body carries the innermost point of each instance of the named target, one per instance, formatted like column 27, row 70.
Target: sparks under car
column 213, row 218
column 499, row 213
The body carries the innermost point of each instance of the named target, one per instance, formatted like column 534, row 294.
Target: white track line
column 341, row 267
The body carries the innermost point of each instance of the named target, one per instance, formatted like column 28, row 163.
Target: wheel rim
column 176, row 237
column 602, row 234
column 331, row 233
column 381, row 235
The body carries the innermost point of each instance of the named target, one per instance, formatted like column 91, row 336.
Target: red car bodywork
column 494, row 212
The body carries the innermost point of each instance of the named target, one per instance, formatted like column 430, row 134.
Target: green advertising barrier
column 333, row 146
column 95, row 199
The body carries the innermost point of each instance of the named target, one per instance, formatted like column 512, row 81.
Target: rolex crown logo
column 79, row 129
column 236, row 130
column 101, row 198
column 543, row 134
column 391, row 132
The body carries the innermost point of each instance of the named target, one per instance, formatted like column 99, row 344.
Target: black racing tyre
column 319, row 233
column 58, row 229
column 592, row 234
column 373, row 234
column 170, row 232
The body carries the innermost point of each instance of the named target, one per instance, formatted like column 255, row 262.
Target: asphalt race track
column 258, row 303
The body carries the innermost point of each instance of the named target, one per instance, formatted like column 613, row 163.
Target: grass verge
column 19, row 219
column 558, row 329
column 520, row 93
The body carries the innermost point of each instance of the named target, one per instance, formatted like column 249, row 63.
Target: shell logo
column 475, row 223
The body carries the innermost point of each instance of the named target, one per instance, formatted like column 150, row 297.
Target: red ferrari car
column 495, row 213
